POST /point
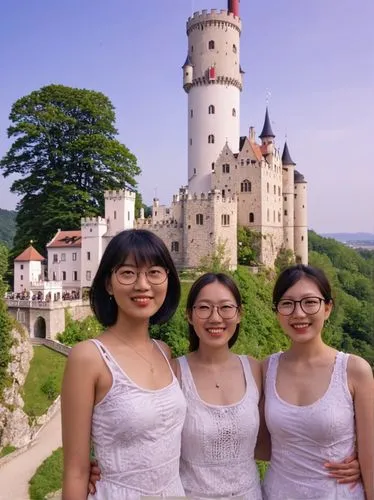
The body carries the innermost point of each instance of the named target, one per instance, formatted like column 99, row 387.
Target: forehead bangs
column 144, row 252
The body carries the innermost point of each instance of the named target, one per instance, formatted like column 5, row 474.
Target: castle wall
column 92, row 230
column 301, row 223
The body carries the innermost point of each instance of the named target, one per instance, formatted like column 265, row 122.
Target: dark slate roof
column 286, row 157
column 188, row 61
column 241, row 142
column 298, row 177
column 241, row 70
column 266, row 131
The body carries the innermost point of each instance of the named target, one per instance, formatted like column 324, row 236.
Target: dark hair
column 198, row 285
column 146, row 248
column 293, row 274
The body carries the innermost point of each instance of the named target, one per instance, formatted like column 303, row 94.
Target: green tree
column 5, row 324
column 285, row 258
column 249, row 246
column 65, row 154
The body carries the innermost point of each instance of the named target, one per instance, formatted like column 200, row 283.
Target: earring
column 110, row 297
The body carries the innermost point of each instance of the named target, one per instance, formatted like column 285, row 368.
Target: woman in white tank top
column 319, row 403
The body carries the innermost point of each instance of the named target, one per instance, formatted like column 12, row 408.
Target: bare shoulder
column 84, row 354
column 165, row 348
column 358, row 369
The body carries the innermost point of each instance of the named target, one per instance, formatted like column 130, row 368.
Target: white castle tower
column 212, row 78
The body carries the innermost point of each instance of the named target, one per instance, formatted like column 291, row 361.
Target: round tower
column 212, row 78
column 301, row 224
column 288, row 168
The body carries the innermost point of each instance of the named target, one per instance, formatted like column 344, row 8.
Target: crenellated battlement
column 121, row 193
column 214, row 195
column 213, row 17
column 92, row 221
column 147, row 223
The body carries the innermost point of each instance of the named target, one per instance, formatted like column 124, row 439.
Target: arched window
column 233, row 112
column 199, row 219
column 213, row 165
column 211, row 44
column 245, row 186
column 211, row 139
column 251, row 217
column 211, row 109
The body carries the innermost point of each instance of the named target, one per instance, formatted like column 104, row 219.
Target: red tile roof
column 63, row 239
column 30, row 254
column 257, row 150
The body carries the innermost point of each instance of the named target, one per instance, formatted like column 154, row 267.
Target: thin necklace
column 151, row 367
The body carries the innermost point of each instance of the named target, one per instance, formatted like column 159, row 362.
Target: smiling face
column 301, row 326
column 214, row 331
column 139, row 300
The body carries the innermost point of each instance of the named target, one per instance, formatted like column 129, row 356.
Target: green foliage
column 6, row 339
column 43, row 380
column 7, row 450
column 249, row 246
column 218, row 261
column 7, row 226
column 48, row 476
column 76, row 331
column 64, row 154
column 285, row 258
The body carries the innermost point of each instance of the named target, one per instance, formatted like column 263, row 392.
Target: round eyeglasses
column 155, row 275
column 309, row 305
column 204, row 311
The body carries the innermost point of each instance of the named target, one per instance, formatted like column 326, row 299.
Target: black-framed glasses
column 309, row 305
column 155, row 275
column 226, row 311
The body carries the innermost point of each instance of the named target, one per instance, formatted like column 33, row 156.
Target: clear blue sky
column 316, row 57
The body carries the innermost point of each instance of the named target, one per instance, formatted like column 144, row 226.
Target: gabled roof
column 267, row 130
column 257, row 150
column 64, row 239
column 286, row 157
column 28, row 255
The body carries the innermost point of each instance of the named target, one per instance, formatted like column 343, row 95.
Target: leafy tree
column 65, row 154
column 218, row 261
column 7, row 226
column 6, row 340
column 249, row 246
column 285, row 258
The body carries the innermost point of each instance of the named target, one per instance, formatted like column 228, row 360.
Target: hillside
column 7, row 226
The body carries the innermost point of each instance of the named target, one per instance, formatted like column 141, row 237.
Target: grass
column 46, row 370
column 48, row 477
column 6, row 450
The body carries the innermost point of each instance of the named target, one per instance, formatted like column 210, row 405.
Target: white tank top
column 305, row 437
column 217, row 458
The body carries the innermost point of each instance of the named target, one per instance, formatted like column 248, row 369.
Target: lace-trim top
column 305, row 437
column 136, row 435
column 218, row 442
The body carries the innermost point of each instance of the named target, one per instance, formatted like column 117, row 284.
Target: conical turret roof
column 286, row 157
column 187, row 62
column 266, row 130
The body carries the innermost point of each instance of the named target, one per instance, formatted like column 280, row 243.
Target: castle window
column 75, row 275
column 251, row 217
column 115, row 215
column 175, row 246
column 279, row 191
column 211, row 139
column 273, row 215
column 63, row 275
column 242, row 163
column 245, row 186
column 54, row 276
column 285, row 212
column 267, row 187
column 233, row 112
column 88, row 255
column 88, row 275
column 268, row 215
column 199, row 219
column 234, row 49
column 225, row 220
column 285, row 198
column 226, row 168
column 191, row 48
column 211, row 110
column 211, row 44
column 21, row 277
column 194, row 171
column 128, row 215
column 74, row 256
column 223, row 193
column 302, row 238
column 295, row 196
column 190, row 142
column 55, row 258
column 63, row 257
column 213, row 164
column 191, row 113
column 279, row 217
column 21, row 266
column 248, row 161
column 275, row 189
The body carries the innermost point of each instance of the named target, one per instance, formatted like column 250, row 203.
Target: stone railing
column 52, row 344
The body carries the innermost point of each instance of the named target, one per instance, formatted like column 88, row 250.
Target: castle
column 232, row 180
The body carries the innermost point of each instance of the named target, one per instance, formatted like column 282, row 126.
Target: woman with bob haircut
column 319, row 403
column 119, row 391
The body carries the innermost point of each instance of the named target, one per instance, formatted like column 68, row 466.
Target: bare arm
column 360, row 377
column 263, row 445
column 77, row 401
